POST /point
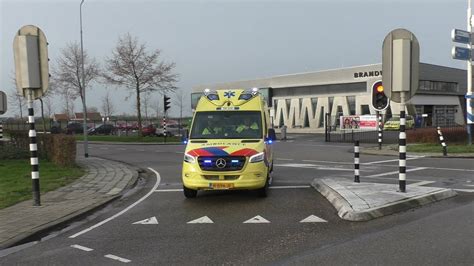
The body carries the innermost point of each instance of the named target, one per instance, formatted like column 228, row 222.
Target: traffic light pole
column 469, row 94
column 402, row 146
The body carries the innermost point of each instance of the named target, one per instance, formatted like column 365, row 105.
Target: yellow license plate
column 221, row 185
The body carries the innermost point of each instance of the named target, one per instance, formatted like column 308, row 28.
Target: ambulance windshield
column 227, row 125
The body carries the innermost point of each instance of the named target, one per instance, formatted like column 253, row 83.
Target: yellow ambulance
column 229, row 146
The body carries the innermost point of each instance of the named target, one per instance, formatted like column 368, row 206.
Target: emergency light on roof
column 245, row 96
column 207, row 91
column 254, row 91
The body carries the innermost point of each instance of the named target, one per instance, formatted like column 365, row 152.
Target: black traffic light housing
column 380, row 101
column 167, row 102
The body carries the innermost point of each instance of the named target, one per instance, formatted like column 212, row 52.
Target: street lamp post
column 83, row 88
column 469, row 94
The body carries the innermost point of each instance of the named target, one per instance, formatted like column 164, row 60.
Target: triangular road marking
column 313, row 219
column 151, row 220
column 202, row 220
column 257, row 220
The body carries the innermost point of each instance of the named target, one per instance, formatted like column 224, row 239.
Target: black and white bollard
column 442, row 141
column 164, row 127
column 356, row 161
column 1, row 130
column 402, row 176
column 33, row 152
column 380, row 129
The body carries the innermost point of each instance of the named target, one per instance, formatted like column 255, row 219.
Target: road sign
column 461, row 53
column 3, row 103
column 400, row 64
column 461, row 36
column 31, row 61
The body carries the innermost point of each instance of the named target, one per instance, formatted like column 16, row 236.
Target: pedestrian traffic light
column 167, row 102
column 380, row 101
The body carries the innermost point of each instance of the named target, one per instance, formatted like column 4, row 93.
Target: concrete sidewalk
column 103, row 182
column 366, row 201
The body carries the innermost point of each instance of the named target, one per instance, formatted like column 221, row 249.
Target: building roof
column 94, row 116
column 60, row 117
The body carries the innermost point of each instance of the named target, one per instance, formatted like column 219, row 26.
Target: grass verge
column 437, row 148
column 15, row 179
column 129, row 139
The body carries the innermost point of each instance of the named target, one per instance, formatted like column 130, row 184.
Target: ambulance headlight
column 257, row 157
column 189, row 159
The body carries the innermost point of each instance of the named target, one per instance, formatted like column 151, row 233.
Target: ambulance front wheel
column 189, row 193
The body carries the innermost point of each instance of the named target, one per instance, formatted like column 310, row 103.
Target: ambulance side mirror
column 271, row 134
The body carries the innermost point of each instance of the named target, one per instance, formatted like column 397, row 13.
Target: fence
column 122, row 127
column 337, row 130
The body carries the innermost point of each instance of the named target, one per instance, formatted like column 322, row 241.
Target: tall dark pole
column 83, row 89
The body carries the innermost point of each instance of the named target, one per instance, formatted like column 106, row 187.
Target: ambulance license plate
column 221, row 185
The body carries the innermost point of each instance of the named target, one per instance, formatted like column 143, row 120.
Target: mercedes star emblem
column 220, row 163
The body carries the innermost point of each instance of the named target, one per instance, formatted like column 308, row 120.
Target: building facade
column 300, row 101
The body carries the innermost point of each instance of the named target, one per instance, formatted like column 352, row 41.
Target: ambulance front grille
column 221, row 163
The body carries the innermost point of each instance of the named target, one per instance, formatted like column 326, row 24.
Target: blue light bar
column 235, row 161
column 213, row 97
column 207, row 161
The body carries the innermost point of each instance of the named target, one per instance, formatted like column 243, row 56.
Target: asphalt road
column 237, row 227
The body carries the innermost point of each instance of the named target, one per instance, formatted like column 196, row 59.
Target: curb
column 346, row 212
column 65, row 220
column 55, row 225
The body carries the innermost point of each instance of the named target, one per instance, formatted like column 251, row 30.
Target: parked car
column 74, row 128
column 394, row 123
column 102, row 129
column 171, row 130
column 149, row 130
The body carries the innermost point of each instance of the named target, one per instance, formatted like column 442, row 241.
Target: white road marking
column 314, row 161
column 422, row 183
column 288, row 187
column 170, row 190
column 110, row 256
column 313, row 166
column 313, row 219
column 467, row 185
column 151, row 220
column 257, row 220
column 396, row 172
column 393, row 160
column 451, row 169
column 465, row 190
column 327, row 146
column 284, row 159
column 158, row 180
column 82, row 248
column 202, row 220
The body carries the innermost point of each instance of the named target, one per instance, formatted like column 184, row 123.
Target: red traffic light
column 380, row 101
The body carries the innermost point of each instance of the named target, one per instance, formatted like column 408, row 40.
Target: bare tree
column 179, row 100
column 49, row 106
column 157, row 106
column 68, row 74
column 17, row 102
column 68, row 96
column 108, row 107
column 133, row 67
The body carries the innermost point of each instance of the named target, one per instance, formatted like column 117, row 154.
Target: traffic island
column 367, row 201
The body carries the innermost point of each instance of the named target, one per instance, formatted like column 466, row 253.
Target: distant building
column 91, row 116
column 300, row 101
column 60, row 117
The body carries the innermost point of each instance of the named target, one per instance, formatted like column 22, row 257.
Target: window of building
column 365, row 109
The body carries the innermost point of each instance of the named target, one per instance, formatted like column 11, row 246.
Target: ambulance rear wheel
column 189, row 193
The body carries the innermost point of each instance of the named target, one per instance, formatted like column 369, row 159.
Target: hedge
column 430, row 135
column 59, row 149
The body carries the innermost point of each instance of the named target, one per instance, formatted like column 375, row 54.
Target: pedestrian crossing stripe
column 256, row 220
column 151, row 220
column 313, row 219
column 202, row 220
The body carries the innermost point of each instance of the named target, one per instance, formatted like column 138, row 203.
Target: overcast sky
column 218, row 41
